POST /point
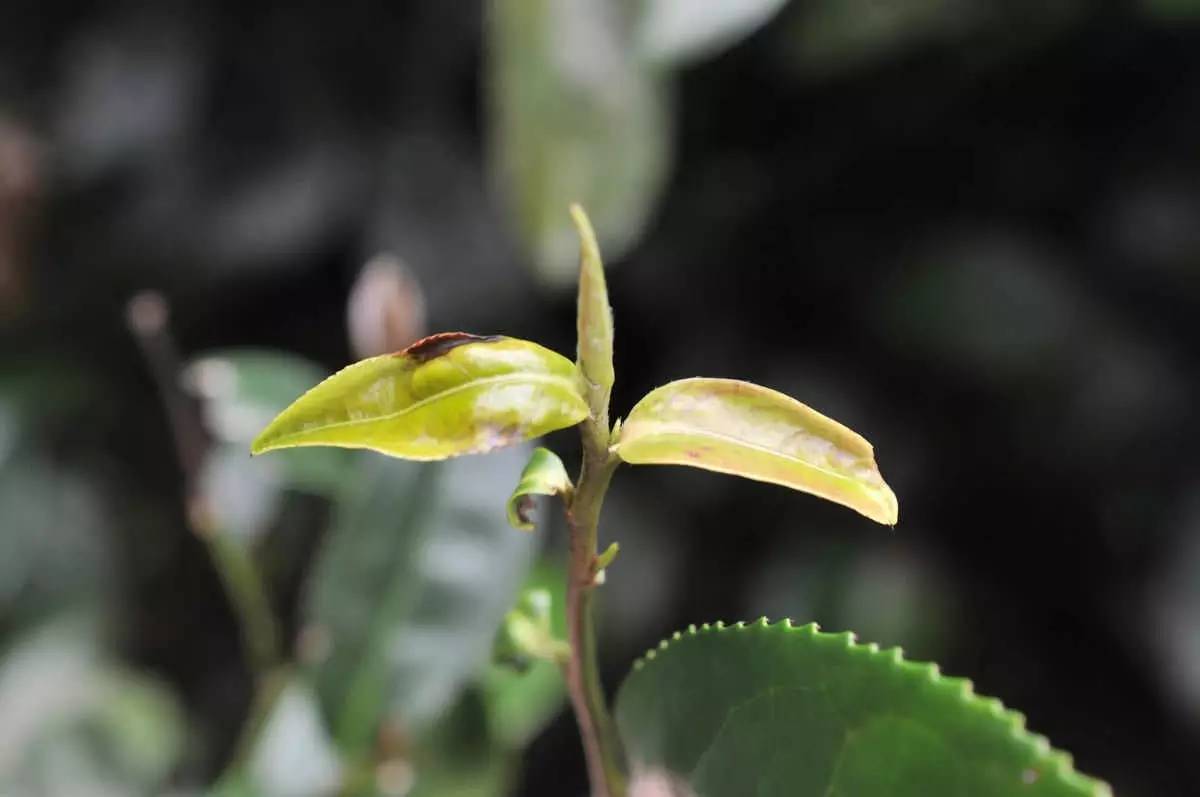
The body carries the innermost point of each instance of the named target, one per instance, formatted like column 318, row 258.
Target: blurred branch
column 147, row 316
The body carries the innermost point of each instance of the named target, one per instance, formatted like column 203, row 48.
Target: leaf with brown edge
column 544, row 474
column 445, row 395
column 744, row 429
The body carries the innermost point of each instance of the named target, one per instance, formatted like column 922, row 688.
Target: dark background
column 976, row 243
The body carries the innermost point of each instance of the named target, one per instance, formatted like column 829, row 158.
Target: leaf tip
column 264, row 442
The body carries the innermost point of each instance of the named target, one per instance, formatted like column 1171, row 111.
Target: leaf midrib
column 417, row 405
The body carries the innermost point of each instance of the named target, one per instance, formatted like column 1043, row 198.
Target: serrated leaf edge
column 1059, row 763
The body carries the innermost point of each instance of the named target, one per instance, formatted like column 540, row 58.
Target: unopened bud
column 595, row 324
column 386, row 309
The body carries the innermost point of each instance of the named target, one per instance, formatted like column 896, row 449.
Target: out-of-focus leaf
column 1172, row 10
column 457, row 757
column 416, row 574
column 53, row 529
column 240, row 391
column 75, row 726
column 544, row 474
column 776, row 710
column 1173, row 608
column 886, row 587
column 995, row 306
column 575, row 116
column 747, row 430
column 521, row 702
column 834, row 36
column 444, row 395
column 680, row 31
column 236, row 784
column 32, row 393
column 8, row 430
column 294, row 755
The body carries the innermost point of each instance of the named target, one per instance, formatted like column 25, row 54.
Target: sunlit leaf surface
column 747, row 430
column 444, row 395
column 777, row 711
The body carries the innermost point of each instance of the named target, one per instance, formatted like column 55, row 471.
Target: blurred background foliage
column 970, row 230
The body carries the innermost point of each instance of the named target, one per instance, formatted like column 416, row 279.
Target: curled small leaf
column 544, row 474
column 443, row 396
column 748, row 430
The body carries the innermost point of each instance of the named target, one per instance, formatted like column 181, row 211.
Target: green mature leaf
column 681, row 31
column 415, row 576
column 594, row 316
column 443, row 396
column 773, row 710
column 575, row 116
column 747, row 430
column 544, row 474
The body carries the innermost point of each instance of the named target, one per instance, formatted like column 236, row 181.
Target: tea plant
column 720, row 711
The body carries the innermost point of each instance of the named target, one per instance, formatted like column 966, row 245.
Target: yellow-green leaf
column 443, row 396
column 544, row 474
column 594, row 316
column 747, row 430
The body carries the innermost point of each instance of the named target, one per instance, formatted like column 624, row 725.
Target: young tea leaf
column 747, row 430
column 544, row 474
column 443, row 396
column 594, row 316
column 777, row 711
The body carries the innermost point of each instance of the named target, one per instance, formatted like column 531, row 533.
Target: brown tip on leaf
column 435, row 346
column 525, row 505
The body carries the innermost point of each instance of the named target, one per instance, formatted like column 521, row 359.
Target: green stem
column 244, row 587
column 600, row 744
column 267, row 692
column 147, row 316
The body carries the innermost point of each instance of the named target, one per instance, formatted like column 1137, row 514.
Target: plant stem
column 600, row 744
column 148, row 320
column 248, row 596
